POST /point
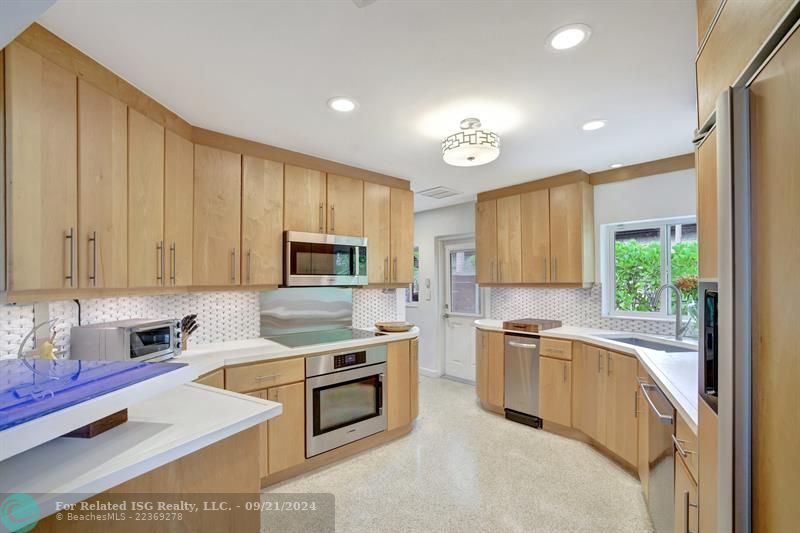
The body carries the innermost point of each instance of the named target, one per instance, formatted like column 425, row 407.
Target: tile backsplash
column 573, row 307
column 223, row 316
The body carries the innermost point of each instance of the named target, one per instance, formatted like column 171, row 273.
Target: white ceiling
column 264, row 71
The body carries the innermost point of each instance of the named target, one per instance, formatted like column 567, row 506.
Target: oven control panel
column 349, row 359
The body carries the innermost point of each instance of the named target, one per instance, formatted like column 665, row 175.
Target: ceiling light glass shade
column 593, row 125
column 342, row 104
column 569, row 36
column 472, row 146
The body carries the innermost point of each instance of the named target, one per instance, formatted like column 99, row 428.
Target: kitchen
column 558, row 318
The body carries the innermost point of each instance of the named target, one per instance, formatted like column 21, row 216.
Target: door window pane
column 464, row 291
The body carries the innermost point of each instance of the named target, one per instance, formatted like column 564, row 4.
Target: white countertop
column 209, row 357
column 674, row 373
column 158, row 431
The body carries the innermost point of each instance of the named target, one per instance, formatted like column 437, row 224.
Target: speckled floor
column 463, row 469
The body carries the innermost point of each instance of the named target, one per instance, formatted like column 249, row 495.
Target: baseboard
column 430, row 373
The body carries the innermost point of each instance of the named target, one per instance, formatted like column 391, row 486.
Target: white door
column 462, row 305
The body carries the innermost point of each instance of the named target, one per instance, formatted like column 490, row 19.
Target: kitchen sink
column 649, row 344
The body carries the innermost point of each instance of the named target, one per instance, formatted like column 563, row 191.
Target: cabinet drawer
column 688, row 445
column 264, row 375
column 557, row 349
column 214, row 378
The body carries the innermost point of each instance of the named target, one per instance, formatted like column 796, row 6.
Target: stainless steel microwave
column 321, row 260
column 127, row 340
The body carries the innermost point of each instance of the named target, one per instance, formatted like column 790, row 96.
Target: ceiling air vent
column 439, row 193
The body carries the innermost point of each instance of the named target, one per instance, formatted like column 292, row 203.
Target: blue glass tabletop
column 56, row 385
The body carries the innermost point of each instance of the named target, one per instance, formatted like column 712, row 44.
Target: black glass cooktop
column 308, row 338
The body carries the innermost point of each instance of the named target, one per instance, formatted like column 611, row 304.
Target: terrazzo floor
column 464, row 469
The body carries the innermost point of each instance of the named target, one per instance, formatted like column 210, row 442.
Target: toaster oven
column 127, row 340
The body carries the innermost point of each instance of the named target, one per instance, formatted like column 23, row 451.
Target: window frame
column 608, row 266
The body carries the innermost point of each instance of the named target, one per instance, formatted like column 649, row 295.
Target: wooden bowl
column 394, row 327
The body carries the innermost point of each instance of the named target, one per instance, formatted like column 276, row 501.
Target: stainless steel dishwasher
column 522, row 379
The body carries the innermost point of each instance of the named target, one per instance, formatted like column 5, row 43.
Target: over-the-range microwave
column 322, row 260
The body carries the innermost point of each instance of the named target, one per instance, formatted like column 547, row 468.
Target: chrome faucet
column 655, row 302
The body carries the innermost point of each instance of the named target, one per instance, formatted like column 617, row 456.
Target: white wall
column 661, row 196
column 428, row 226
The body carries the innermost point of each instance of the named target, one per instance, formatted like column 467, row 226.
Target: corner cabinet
column 543, row 236
column 217, row 216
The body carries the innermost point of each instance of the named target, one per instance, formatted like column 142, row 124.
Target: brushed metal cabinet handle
column 544, row 269
column 500, row 273
column 599, row 362
column 687, row 504
column 266, row 377
column 386, row 273
column 93, row 241
column 394, row 278
column 71, row 238
column 679, row 446
column 333, row 218
column 233, row 265
column 321, row 215
column 636, row 404
column 249, row 261
column 160, row 262
column 565, row 372
column 554, row 272
column 173, row 252
column 608, row 366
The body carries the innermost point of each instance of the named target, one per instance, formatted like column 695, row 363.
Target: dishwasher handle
column 522, row 345
column 644, row 386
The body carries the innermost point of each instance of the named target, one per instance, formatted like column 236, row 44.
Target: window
column 463, row 292
column 412, row 294
column 641, row 257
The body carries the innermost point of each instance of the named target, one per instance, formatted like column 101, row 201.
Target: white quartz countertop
column 674, row 373
column 158, row 431
column 209, row 357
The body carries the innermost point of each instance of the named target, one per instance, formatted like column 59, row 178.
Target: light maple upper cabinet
column 535, row 220
column 102, row 189
column 377, row 230
column 402, row 235
column 217, row 216
column 345, row 206
column 706, row 158
column 572, row 234
column 305, row 200
column 178, row 208
column 509, row 243
column 262, row 221
column 486, row 241
column 147, row 261
column 41, row 123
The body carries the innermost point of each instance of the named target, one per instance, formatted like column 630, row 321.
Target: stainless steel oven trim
column 323, row 364
column 361, row 278
column 345, row 435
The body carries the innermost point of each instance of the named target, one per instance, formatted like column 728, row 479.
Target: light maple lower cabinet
column 686, row 518
column 490, row 368
column 414, row 378
column 398, row 394
column 589, row 401
column 263, row 439
column 287, row 431
column 555, row 390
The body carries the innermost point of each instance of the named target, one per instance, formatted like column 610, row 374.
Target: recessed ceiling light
column 569, row 36
column 593, row 125
column 342, row 104
column 615, row 165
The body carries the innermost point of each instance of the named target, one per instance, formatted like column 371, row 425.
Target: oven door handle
column 380, row 394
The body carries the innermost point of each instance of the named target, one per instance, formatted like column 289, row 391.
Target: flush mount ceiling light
column 569, row 36
column 471, row 146
column 593, row 125
column 342, row 104
column 615, row 165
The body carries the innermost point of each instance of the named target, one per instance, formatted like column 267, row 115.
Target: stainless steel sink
column 651, row 345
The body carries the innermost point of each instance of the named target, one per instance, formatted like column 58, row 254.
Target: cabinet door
column 486, row 241
column 402, row 230
column 706, row 158
column 555, row 391
column 304, row 200
column 263, row 439
column 345, row 206
column 217, row 212
column 566, row 233
column 377, row 211
column 482, row 365
column 495, row 374
column 535, row 213
column 287, row 431
column 685, row 499
column 414, row 379
column 178, row 207
column 262, row 221
column 509, row 243
column 102, row 189
column 146, row 254
column 621, row 406
column 41, row 123
column 589, row 401
column 398, row 394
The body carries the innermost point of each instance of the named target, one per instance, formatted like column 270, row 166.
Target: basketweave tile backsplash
column 223, row 316
column 573, row 307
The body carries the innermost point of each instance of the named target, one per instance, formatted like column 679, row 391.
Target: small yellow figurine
column 47, row 348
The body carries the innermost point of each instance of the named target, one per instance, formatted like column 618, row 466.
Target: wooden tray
column 394, row 327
